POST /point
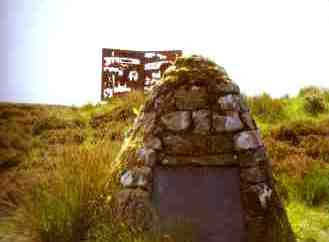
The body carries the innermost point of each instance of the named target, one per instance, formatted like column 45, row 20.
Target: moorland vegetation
column 55, row 164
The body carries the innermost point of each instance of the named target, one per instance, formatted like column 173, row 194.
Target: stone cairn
column 197, row 116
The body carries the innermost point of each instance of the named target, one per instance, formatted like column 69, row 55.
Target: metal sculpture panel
column 125, row 70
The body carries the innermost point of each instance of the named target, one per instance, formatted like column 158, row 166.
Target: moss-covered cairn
column 196, row 116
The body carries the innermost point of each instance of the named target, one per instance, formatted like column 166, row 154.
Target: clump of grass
column 74, row 203
column 314, row 188
column 307, row 202
column 69, row 201
column 306, row 181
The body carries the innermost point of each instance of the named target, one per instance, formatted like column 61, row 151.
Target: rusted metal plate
column 207, row 197
column 125, row 70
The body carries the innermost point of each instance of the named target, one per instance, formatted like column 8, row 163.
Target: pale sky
column 51, row 49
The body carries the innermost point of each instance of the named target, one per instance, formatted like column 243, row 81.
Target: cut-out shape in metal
column 124, row 70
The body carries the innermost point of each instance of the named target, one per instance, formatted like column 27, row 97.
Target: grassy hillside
column 55, row 163
column 296, row 134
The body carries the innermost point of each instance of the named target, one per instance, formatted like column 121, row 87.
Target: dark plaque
column 206, row 197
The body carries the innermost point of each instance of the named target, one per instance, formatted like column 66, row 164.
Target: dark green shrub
column 316, row 146
column 315, row 104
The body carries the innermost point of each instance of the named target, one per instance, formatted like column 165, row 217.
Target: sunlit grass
column 309, row 222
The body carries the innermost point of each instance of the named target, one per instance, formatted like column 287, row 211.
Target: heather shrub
column 15, row 144
column 316, row 146
column 279, row 150
column 113, row 131
column 119, row 114
column 296, row 166
column 293, row 130
column 56, row 122
column 63, row 136
column 7, row 112
column 49, row 123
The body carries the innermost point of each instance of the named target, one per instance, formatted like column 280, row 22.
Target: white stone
column 219, row 123
column 201, row 120
column 230, row 123
column 233, row 123
column 136, row 177
column 127, row 179
column 229, row 87
column 148, row 156
column 153, row 143
column 264, row 195
column 141, row 181
column 230, row 102
column 177, row 121
column 247, row 140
